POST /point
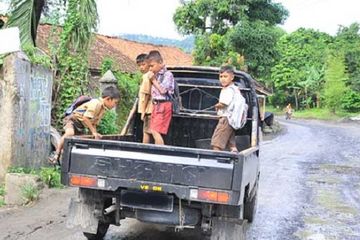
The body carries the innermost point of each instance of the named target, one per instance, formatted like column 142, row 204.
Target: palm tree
column 26, row 15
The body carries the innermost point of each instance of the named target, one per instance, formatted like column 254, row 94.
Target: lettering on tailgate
column 150, row 171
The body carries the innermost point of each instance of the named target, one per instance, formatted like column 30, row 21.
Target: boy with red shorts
column 162, row 87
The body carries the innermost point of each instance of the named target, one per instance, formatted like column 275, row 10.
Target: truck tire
column 222, row 230
column 101, row 232
column 250, row 209
column 102, row 226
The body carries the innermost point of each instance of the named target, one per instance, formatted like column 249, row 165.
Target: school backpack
column 76, row 103
column 175, row 97
column 238, row 109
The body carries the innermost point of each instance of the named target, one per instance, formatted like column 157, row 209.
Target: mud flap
column 82, row 213
column 228, row 230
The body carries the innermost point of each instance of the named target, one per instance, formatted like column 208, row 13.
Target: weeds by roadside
column 323, row 114
column 29, row 192
column 21, row 170
column 49, row 175
column 314, row 113
column 2, row 194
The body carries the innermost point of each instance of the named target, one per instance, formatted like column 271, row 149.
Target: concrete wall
column 25, row 108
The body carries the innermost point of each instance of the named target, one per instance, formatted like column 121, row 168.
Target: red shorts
column 161, row 117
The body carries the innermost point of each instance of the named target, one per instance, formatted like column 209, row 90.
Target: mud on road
column 309, row 189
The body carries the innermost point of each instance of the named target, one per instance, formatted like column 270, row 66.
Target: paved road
column 309, row 189
column 310, row 183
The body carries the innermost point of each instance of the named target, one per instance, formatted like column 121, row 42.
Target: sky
column 150, row 17
column 154, row 17
column 323, row 15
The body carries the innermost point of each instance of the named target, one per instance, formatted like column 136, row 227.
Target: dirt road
column 309, row 189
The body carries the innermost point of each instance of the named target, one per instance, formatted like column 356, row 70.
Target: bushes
column 29, row 193
column 351, row 101
column 108, row 123
column 335, row 78
column 2, row 194
column 128, row 85
column 49, row 175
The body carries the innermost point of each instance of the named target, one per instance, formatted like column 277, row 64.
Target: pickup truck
column 183, row 184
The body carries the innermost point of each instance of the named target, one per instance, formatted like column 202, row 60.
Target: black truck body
column 184, row 183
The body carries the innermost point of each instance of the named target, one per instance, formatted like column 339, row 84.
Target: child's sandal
column 234, row 150
column 54, row 158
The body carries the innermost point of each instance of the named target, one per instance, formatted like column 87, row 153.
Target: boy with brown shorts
column 145, row 105
column 87, row 115
column 224, row 134
column 162, row 87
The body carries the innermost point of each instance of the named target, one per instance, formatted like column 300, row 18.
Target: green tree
column 348, row 40
column 217, row 16
column 233, row 31
column 300, row 70
column 209, row 49
column 54, row 12
column 256, row 41
column 72, row 55
column 335, row 78
column 26, row 14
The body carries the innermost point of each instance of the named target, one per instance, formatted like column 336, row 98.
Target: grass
column 49, row 175
column 2, row 195
column 2, row 190
column 314, row 113
column 29, row 193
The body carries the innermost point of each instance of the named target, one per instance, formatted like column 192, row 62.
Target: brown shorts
column 77, row 126
column 224, row 135
column 146, row 127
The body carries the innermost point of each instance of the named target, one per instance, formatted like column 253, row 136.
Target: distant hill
column 187, row 44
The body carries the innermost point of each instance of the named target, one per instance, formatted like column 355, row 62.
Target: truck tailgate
column 151, row 163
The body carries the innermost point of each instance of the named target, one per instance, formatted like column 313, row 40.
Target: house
column 171, row 55
column 122, row 52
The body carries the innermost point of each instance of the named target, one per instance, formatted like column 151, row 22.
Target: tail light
column 210, row 195
column 83, row 181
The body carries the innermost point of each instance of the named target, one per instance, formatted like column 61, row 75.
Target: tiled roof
column 171, row 55
column 122, row 51
column 99, row 50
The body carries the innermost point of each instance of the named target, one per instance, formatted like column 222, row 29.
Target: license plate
column 147, row 200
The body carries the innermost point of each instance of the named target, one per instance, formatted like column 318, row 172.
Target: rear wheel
column 101, row 232
column 250, row 208
column 103, row 225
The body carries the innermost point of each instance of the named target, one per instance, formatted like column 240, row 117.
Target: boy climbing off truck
column 87, row 115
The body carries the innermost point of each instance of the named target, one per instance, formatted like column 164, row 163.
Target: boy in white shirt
column 224, row 134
